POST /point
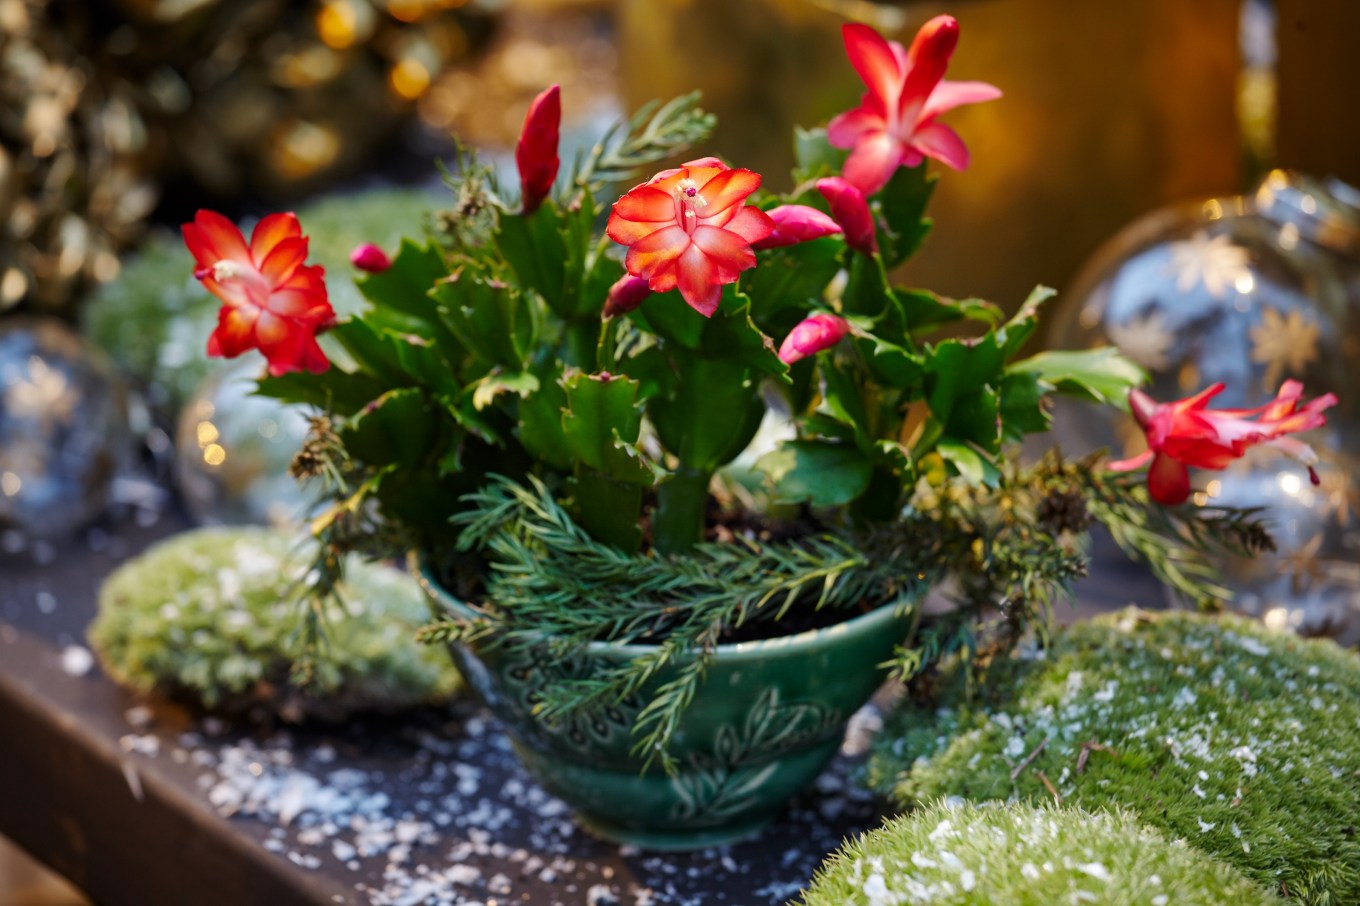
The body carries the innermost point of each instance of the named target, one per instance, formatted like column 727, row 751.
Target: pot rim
column 876, row 619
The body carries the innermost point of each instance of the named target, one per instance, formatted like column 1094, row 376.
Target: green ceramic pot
column 764, row 724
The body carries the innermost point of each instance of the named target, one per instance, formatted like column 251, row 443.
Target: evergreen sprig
column 655, row 132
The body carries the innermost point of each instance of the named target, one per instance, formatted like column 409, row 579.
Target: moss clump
column 1240, row 741
column 1019, row 855
column 213, row 615
column 154, row 320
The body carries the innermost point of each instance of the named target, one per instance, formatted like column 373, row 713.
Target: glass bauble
column 233, row 449
column 1245, row 291
column 63, row 428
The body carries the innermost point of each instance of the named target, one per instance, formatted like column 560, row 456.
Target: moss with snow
column 213, row 615
column 154, row 320
column 1020, row 855
column 1242, row 742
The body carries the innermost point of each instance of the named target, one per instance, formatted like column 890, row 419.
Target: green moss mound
column 1242, row 742
column 212, row 615
column 1020, row 855
column 155, row 318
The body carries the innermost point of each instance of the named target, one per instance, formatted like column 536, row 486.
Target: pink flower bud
column 368, row 257
column 536, row 152
column 813, row 334
column 851, row 211
column 795, row 223
column 626, row 294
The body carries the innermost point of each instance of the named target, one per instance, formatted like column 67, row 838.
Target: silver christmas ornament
column 232, row 452
column 63, row 428
column 1249, row 292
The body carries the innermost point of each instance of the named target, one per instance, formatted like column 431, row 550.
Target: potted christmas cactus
column 551, row 403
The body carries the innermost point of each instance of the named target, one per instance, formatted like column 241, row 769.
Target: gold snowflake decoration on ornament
column 1285, row 344
column 1146, row 340
column 1216, row 263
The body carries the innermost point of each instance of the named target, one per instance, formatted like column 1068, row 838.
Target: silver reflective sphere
column 232, row 452
column 63, row 428
column 1247, row 291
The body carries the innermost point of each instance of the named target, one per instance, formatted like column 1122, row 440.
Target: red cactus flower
column 850, row 209
column 271, row 300
column 369, row 258
column 689, row 228
column 894, row 125
column 627, row 293
column 1186, row 433
column 795, row 223
column 813, row 334
column 536, row 151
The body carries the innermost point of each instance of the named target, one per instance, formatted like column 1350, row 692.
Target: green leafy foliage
column 1021, row 855
column 1237, row 740
column 213, row 615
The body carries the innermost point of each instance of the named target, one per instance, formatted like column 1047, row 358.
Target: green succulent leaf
column 521, row 383
column 925, row 310
column 817, row 472
column 396, row 429
column 1022, row 325
column 903, row 209
column 972, row 465
column 814, row 155
column 600, row 423
column 1100, row 375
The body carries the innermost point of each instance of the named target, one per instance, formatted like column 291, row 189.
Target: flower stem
column 682, row 500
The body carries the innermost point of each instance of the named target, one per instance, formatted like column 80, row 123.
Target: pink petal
column 627, row 293
column 753, row 224
column 300, row 305
column 724, row 189
column 652, row 254
column 270, row 231
column 846, row 129
column 536, row 150
column 812, row 335
column 873, row 162
column 948, row 95
column 1128, row 465
column 283, row 259
column 927, row 60
column 1168, row 481
column 707, row 162
column 212, row 238
column 728, row 253
column 235, row 332
column 369, row 258
column 851, row 211
column 875, row 62
column 942, row 143
column 699, row 284
column 795, row 223
column 647, row 204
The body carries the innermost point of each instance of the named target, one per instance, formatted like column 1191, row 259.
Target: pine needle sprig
column 655, row 132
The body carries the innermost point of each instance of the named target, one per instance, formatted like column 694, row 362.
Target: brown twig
column 1057, row 797
column 1087, row 748
column 1015, row 771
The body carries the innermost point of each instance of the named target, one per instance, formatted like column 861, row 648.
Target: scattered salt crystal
column 76, row 660
column 1249, row 644
column 967, row 880
column 139, row 717
column 601, row 895
column 1206, row 826
column 1096, row 870
column 1029, row 871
